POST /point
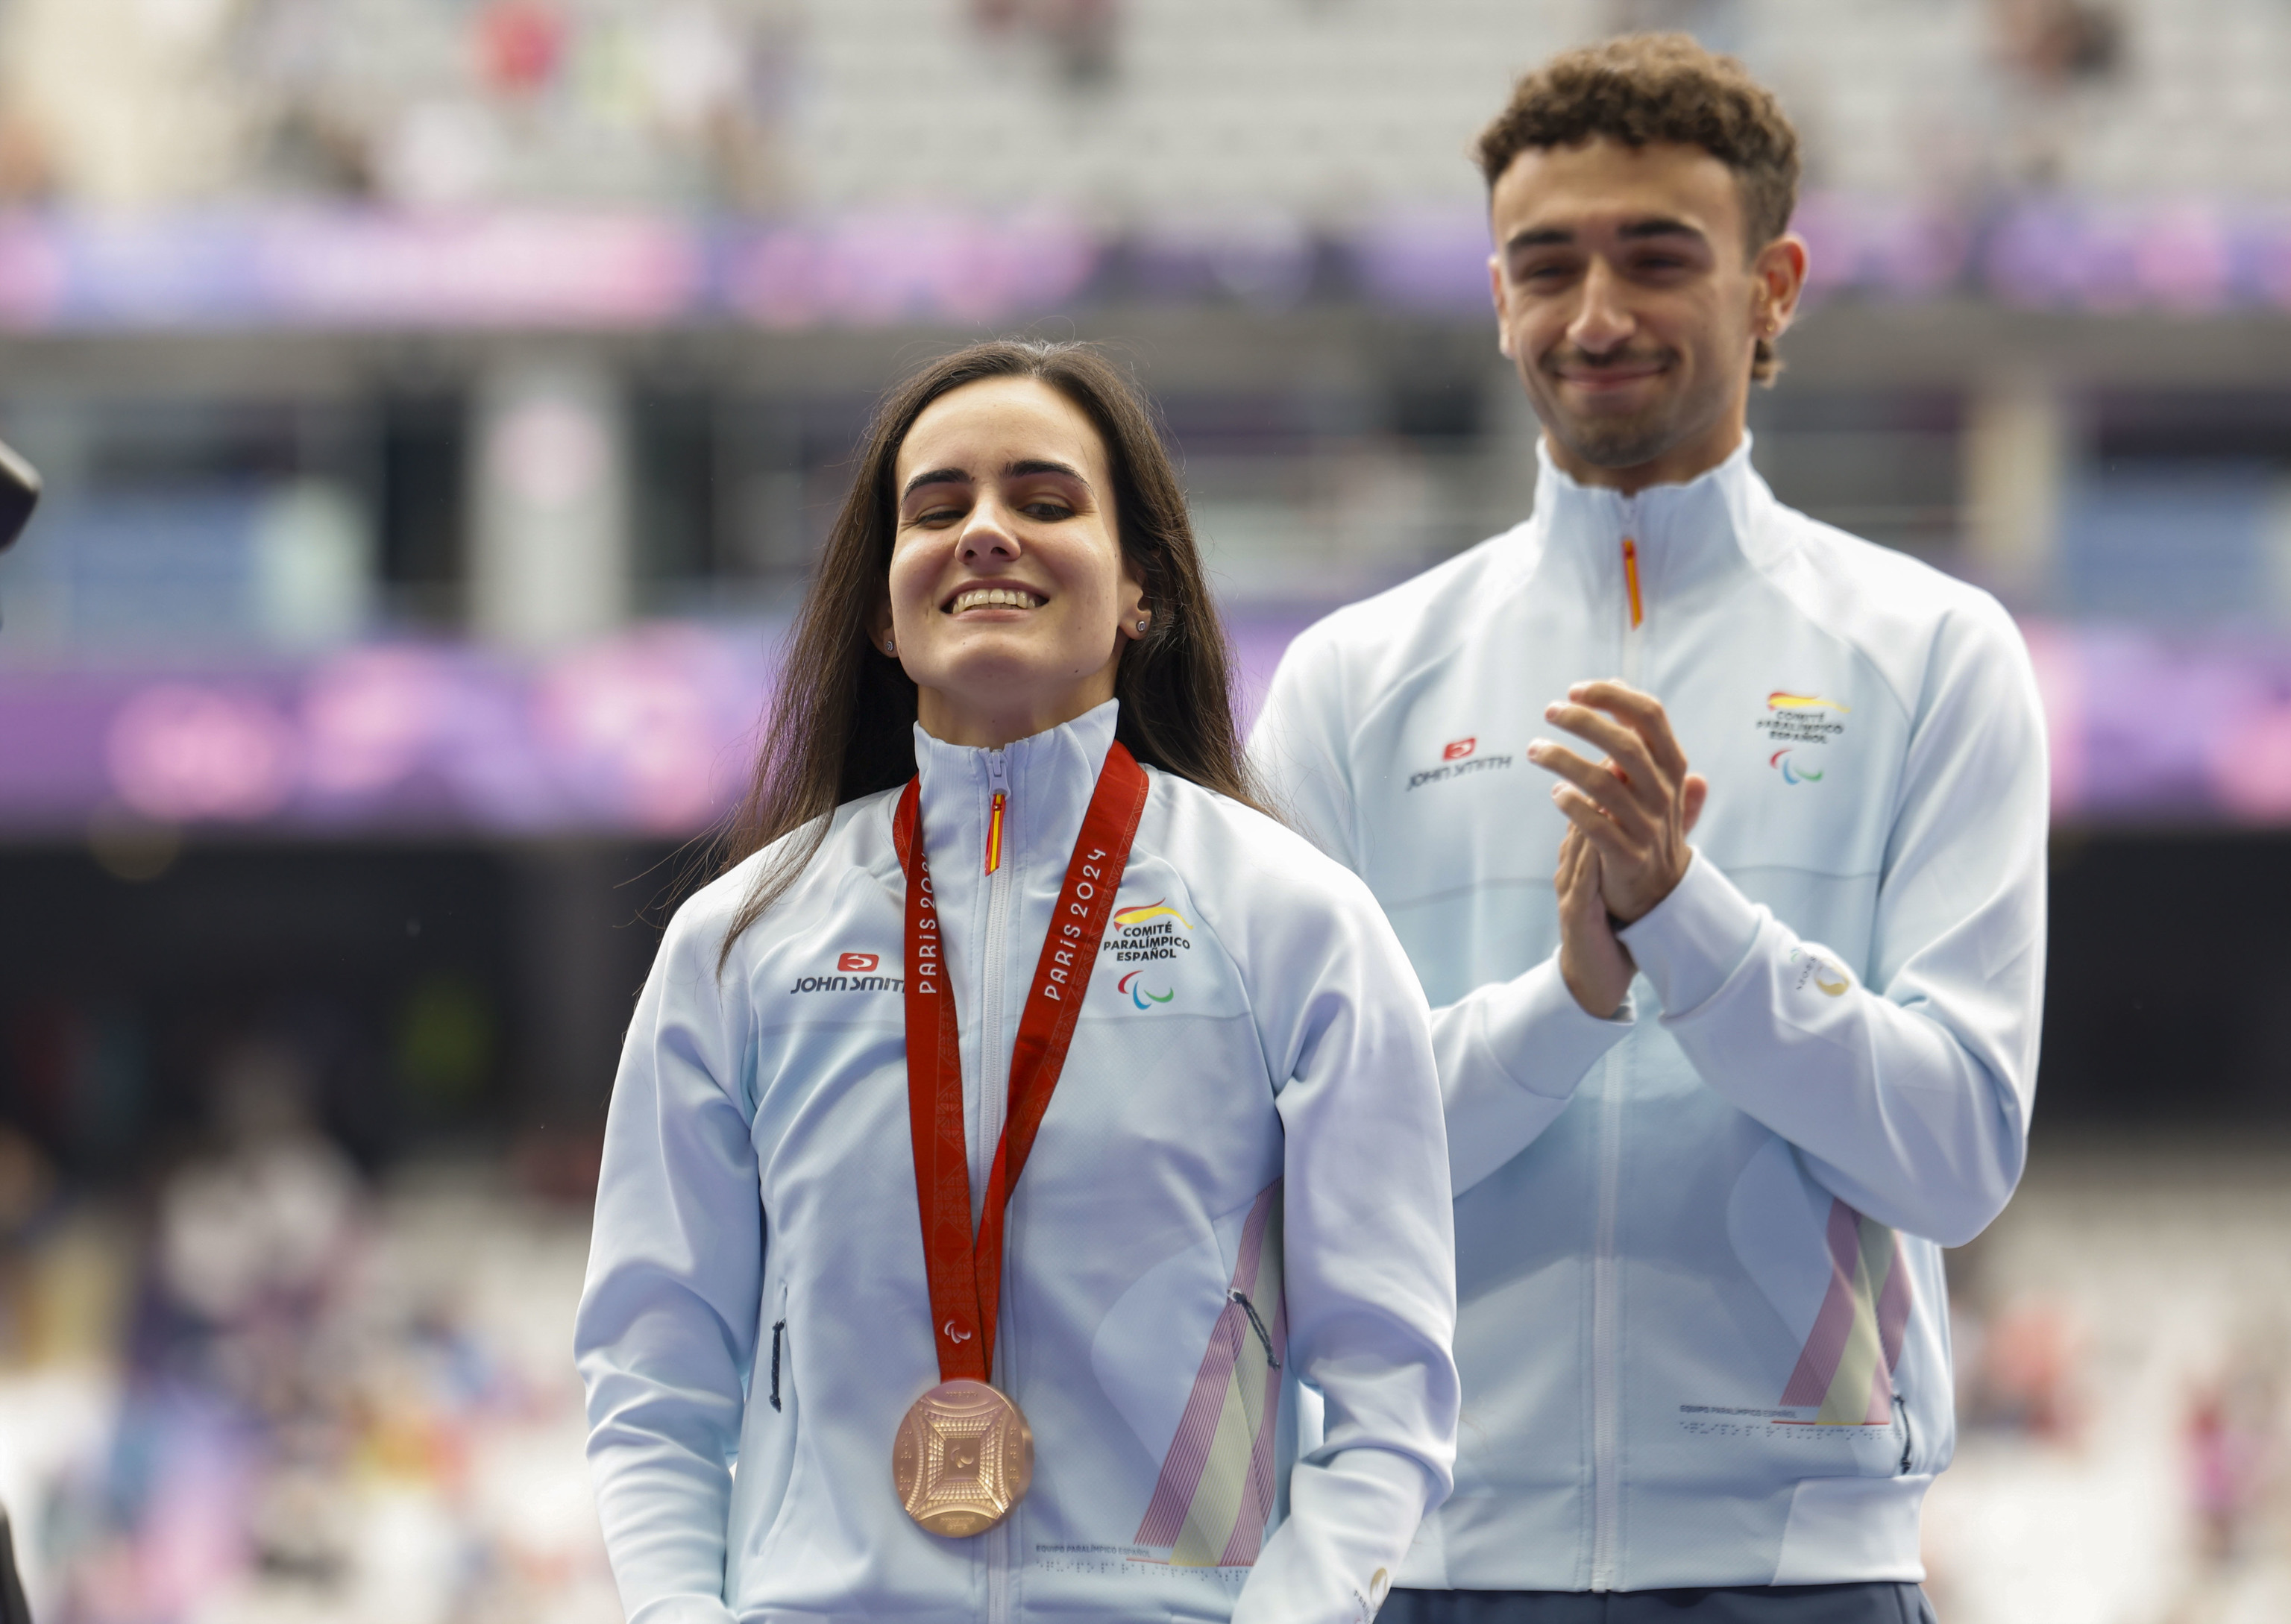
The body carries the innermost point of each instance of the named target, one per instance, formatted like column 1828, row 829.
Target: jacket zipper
column 995, row 1057
column 1606, row 1338
column 1606, row 1304
column 994, row 1105
column 1634, row 593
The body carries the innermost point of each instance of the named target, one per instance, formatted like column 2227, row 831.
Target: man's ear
column 1780, row 273
column 1495, row 295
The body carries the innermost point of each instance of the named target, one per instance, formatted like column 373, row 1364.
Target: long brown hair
column 842, row 721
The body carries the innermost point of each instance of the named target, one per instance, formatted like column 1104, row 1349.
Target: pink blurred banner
column 351, row 267
column 651, row 733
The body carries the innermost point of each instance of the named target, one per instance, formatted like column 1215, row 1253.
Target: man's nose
column 1602, row 320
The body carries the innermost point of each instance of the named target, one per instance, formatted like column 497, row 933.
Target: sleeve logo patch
column 1820, row 971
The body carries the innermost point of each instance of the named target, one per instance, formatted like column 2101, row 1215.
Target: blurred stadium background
column 441, row 401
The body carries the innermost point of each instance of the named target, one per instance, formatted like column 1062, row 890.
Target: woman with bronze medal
column 1023, row 1117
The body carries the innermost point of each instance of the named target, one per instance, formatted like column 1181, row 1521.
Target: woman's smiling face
column 1010, row 598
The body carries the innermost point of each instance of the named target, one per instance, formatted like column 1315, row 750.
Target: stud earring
column 890, row 647
column 1141, row 628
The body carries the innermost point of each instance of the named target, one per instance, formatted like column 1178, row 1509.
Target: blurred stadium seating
column 441, row 401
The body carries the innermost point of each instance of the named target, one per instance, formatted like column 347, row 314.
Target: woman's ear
column 879, row 629
column 1137, row 612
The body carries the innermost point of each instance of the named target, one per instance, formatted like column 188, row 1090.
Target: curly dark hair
column 1643, row 88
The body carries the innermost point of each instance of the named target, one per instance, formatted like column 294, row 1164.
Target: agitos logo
column 1131, row 985
column 1791, row 772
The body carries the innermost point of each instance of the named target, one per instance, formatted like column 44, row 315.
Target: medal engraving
column 963, row 1457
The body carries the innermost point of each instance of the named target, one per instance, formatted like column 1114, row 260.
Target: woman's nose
column 988, row 534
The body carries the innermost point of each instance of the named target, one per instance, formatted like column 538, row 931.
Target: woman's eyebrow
column 1041, row 465
column 936, row 476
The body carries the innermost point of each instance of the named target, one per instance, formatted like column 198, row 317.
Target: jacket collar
column 1682, row 532
column 1048, row 779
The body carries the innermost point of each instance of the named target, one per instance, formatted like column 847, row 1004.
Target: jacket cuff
column 1688, row 944
column 1544, row 1041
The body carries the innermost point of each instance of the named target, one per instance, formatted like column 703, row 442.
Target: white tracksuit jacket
column 1702, row 1323
column 1249, row 1106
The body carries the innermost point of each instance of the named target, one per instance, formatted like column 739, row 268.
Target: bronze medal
column 963, row 1457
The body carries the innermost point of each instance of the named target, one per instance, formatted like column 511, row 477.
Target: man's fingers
column 1618, row 799
column 1596, row 826
column 1643, row 713
column 1628, row 748
column 1621, row 800
column 1691, row 794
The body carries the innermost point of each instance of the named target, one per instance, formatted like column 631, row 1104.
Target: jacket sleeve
column 1300, row 751
column 1368, row 1244
column 665, row 1335
column 1908, row 1087
column 1510, row 1053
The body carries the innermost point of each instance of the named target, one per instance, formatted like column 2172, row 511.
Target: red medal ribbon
column 965, row 1271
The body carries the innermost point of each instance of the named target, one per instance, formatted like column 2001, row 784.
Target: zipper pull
column 997, row 775
column 1631, row 580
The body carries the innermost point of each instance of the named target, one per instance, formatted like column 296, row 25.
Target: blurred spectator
column 2057, row 54
column 2020, row 1369
column 335, row 1408
column 154, row 103
column 2235, row 1448
column 1079, row 34
column 2054, row 43
column 124, row 103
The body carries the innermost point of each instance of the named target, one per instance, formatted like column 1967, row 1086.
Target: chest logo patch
column 1458, row 758
column 1799, row 725
column 1149, row 931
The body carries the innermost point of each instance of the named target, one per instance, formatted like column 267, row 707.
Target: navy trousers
column 1878, row 1604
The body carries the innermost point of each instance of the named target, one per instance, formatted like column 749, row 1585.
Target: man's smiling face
column 1627, row 297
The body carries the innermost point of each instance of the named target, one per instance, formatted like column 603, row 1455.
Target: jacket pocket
column 778, row 1442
